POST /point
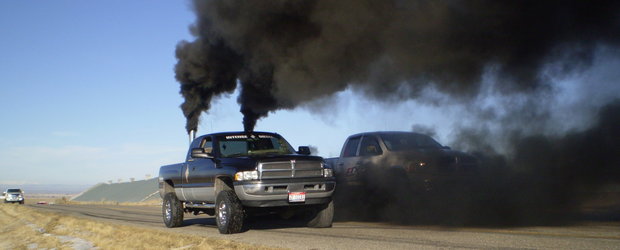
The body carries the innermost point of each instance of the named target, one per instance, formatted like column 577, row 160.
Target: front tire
column 323, row 216
column 229, row 213
column 172, row 211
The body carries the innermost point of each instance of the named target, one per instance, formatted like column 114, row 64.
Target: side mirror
column 304, row 150
column 201, row 153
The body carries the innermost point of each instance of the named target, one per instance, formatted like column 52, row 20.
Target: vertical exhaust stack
column 192, row 136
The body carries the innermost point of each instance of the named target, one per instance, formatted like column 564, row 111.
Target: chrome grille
column 307, row 165
column 308, row 173
column 276, row 165
column 289, row 169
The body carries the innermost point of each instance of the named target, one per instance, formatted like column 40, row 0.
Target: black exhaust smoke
column 207, row 70
column 286, row 53
column 545, row 181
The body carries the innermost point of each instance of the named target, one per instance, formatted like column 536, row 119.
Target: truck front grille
column 289, row 169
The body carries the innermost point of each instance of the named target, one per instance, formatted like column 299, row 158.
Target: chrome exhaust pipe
column 192, row 136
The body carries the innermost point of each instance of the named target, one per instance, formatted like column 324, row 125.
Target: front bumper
column 13, row 199
column 274, row 193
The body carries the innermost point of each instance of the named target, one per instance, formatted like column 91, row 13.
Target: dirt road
column 362, row 235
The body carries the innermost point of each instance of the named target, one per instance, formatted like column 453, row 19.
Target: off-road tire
column 229, row 213
column 172, row 210
column 322, row 216
column 21, row 202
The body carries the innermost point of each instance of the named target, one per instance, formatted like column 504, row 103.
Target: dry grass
column 17, row 233
column 24, row 227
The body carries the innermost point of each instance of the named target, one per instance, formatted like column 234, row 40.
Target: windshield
column 242, row 145
column 14, row 191
column 408, row 141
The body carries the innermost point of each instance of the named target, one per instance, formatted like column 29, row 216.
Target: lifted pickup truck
column 236, row 174
column 390, row 158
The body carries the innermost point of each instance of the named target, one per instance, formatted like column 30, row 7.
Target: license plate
column 297, row 196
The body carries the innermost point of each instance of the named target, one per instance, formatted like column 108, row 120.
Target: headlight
column 327, row 172
column 246, row 176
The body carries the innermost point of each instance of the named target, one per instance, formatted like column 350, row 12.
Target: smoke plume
column 286, row 53
column 546, row 178
column 543, row 180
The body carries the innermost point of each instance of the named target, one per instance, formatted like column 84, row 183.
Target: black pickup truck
column 236, row 174
column 399, row 155
column 400, row 176
column 403, row 168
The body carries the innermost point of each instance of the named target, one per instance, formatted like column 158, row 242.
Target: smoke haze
column 546, row 180
column 286, row 53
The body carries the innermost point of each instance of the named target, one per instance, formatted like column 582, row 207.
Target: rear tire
column 172, row 211
column 229, row 214
column 323, row 216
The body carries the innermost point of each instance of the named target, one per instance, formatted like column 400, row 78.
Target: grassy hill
column 135, row 191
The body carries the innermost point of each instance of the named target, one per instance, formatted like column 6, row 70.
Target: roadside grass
column 17, row 233
column 27, row 228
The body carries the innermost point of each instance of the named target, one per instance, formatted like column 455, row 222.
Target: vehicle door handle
column 193, row 168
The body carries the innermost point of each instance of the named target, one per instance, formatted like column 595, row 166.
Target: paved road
column 363, row 235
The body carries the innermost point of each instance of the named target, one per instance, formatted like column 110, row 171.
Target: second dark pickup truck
column 230, row 175
column 394, row 156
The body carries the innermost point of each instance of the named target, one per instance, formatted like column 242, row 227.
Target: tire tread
column 176, row 219
column 236, row 213
column 323, row 217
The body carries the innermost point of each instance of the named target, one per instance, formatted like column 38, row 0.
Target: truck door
column 183, row 191
column 348, row 162
column 370, row 153
column 201, row 172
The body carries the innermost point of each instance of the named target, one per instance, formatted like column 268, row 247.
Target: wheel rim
column 222, row 213
column 168, row 211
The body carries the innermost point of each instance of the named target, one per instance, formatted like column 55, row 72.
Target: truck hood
column 435, row 160
column 250, row 162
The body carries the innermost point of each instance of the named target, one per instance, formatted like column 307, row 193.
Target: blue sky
column 88, row 95
column 87, row 92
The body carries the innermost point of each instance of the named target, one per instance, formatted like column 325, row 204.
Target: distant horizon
column 72, row 189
